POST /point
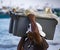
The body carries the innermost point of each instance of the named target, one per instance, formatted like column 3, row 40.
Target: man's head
column 14, row 10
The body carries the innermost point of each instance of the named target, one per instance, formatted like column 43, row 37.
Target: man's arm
column 35, row 32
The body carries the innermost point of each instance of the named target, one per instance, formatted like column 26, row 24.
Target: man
column 33, row 35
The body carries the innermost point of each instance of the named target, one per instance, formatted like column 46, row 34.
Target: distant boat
column 4, row 13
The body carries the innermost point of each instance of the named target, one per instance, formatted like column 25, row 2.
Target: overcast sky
column 33, row 3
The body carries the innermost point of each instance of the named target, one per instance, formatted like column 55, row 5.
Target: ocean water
column 10, row 42
column 7, row 40
column 4, row 15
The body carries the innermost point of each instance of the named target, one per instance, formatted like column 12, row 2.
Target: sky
column 31, row 3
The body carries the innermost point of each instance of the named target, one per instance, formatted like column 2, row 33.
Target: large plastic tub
column 19, row 24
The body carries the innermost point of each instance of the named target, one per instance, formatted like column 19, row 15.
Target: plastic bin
column 48, row 26
column 19, row 25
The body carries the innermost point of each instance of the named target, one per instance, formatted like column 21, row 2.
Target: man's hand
column 31, row 17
